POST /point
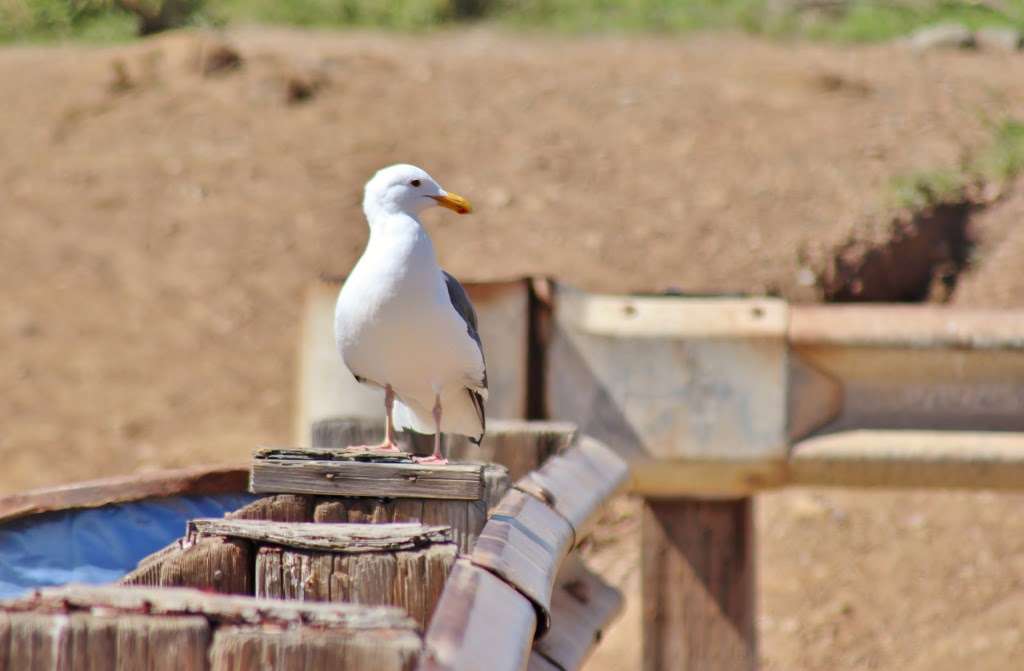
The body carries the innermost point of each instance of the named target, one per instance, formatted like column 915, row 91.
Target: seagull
column 404, row 325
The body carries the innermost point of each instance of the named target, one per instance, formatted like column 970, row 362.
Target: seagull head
column 409, row 190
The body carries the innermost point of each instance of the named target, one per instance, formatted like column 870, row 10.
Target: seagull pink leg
column 389, row 444
column 436, row 457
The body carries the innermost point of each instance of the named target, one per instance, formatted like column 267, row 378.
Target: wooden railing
column 711, row 400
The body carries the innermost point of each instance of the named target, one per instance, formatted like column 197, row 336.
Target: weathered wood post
column 693, row 393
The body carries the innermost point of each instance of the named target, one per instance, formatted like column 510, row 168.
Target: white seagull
column 406, row 326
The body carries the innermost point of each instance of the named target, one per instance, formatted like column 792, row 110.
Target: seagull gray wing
column 460, row 301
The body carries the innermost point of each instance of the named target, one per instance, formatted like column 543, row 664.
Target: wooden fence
column 712, row 400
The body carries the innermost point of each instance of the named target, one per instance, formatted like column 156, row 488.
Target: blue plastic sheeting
column 97, row 545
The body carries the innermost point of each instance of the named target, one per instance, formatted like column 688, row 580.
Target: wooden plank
column 279, row 508
column 524, row 543
column 711, row 477
column 347, row 538
column 147, row 573
column 906, row 326
column 943, row 459
column 478, row 618
column 250, row 649
column 217, row 564
column 814, row 398
column 219, row 608
column 582, row 607
column 350, row 478
column 325, row 388
column 577, row 482
column 698, row 585
column 121, row 489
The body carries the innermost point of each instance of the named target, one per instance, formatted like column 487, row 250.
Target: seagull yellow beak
column 454, row 202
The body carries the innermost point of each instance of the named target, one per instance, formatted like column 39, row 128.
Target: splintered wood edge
column 222, row 608
column 478, row 617
column 345, row 538
column 354, row 478
column 342, row 454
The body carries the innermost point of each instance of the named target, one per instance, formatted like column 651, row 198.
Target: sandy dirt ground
column 157, row 228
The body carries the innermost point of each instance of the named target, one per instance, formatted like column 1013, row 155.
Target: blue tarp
column 97, row 545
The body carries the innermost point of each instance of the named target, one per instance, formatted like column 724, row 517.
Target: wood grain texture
column 250, row 649
column 582, row 607
column 524, row 542
column 698, row 585
column 279, row 508
column 341, row 538
column 577, row 482
column 121, row 489
column 479, row 620
column 353, row 478
column 215, row 564
column 221, row 609
column 412, row 580
column 65, row 642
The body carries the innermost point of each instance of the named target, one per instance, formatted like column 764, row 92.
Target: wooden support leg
column 698, row 585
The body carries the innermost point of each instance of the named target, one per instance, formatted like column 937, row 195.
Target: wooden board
column 284, row 471
column 698, row 585
column 479, row 620
column 577, row 482
column 524, row 543
column 325, row 388
column 582, row 607
column 519, row 445
column 121, row 489
column 219, row 608
column 340, row 538
column 942, row 459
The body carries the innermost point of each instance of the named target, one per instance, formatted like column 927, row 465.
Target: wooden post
column 698, row 585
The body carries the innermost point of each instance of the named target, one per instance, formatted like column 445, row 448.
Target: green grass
column 998, row 162
column 861, row 21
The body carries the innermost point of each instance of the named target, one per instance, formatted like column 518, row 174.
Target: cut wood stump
column 144, row 629
column 375, row 564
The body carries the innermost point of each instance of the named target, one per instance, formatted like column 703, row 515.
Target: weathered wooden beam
column 577, row 482
column 124, row 488
column 479, row 621
column 698, row 585
column 349, row 538
column 905, row 459
column 346, row 472
column 519, row 445
column 524, row 542
column 215, row 564
column 582, row 607
column 185, row 630
column 219, row 608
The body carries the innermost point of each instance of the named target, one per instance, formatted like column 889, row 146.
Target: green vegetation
column 838, row 20
column 997, row 163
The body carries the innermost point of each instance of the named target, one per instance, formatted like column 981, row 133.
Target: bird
column 406, row 326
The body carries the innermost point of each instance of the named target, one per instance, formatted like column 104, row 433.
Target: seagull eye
column 415, row 182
